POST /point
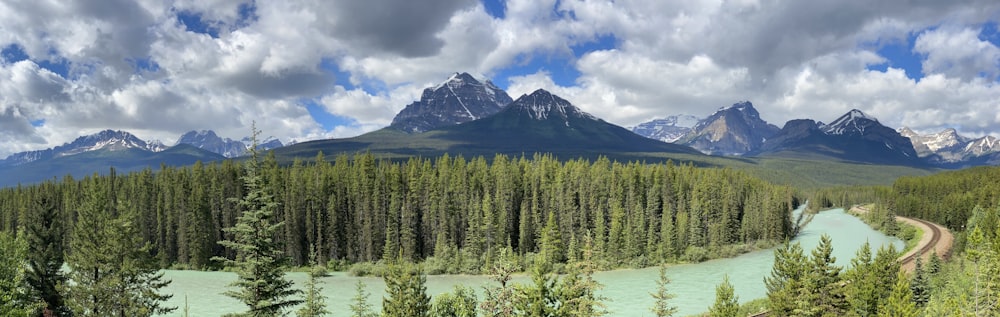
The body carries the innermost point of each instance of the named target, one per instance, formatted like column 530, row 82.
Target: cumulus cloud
column 135, row 65
column 958, row 53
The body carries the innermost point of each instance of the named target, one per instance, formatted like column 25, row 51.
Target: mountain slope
column 669, row 129
column 99, row 161
column 734, row 130
column 460, row 99
column 852, row 137
column 107, row 139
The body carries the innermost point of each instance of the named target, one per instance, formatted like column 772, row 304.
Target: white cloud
column 793, row 59
column 958, row 53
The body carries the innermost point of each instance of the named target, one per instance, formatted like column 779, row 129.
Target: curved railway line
column 935, row 238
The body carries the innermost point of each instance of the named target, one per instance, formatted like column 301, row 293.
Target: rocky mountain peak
column 853, row 122
column 543, row 105
column 209, row 141
column 733, row 130
column 461, row 98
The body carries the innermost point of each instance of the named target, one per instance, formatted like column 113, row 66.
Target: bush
column 695, row 254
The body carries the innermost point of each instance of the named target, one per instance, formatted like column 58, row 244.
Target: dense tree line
column 947, row 198
column 457, row 212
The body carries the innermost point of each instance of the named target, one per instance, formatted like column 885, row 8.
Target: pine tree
column 661, row 306
column 726, row 302
column 900, row 300
column 786, row 279
column 407, row 295
column 538, row 298
column 44, row 233
column 14, row 298
column 498, row 301
column 862, row 287
column 112, row 269
column 921, row 284
column 359, row 303
column 576, row 293
column 259, row 262
column 314, row 304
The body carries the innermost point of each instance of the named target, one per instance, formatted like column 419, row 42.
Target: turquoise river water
column 627, row 289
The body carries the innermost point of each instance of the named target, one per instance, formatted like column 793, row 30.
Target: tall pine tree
column 44, row 233
column 112, row 269
column 260, row 262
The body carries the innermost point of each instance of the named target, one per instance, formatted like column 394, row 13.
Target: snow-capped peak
column 456, row 80
column 853, row 121
column 541, row 104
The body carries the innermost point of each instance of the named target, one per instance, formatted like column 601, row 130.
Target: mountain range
column 463, row 115
column 738, row 130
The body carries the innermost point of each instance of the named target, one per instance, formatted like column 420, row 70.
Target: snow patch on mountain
column 669, row 129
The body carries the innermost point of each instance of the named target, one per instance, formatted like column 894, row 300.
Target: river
column 627, row 290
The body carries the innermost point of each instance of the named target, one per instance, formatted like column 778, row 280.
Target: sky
column 314, row 69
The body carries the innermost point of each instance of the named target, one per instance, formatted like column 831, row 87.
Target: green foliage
column 460, row 303
column 259, row 262
column 920, row 286
column 359, row 303
column 661, row 305
column 499, row 300
column 900, row 300
column 314, row 304
column 726, row 302
column 14, row 298
column 457, row 213
column 44, row 235
column 538, row 298
column 112, row 269
column 407, row 295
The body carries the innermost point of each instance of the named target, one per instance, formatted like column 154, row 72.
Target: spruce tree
column 260, row 262
column 314, row 304
column 921, row 284
column 112, row 269
column 407, row 295
column 359, row 303
column 44, row 233
column 900, row 300
column 726, row 302
column 661, row 306
column 576, row 293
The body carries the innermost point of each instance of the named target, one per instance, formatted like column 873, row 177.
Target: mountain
column 208, row 140
column 100, row 161
column 107, row 139
column 460, row 99
column 949, row 149
column 539, row 122
column 543, row 122
column 854, row 136
column 733, row 130
column 668, row 129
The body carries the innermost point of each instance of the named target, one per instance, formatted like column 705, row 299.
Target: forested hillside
column 457, row 211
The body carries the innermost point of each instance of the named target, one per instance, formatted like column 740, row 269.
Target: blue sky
column 340, row 68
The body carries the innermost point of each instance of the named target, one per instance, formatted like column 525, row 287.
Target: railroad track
column 935, row 237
